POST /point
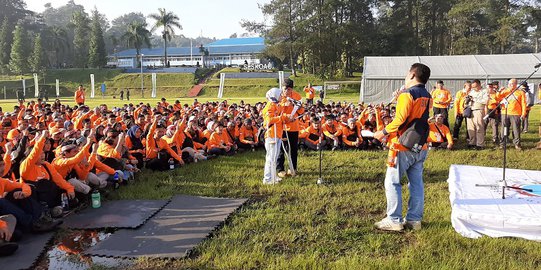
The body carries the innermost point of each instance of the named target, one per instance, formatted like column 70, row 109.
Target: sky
column 212, row 18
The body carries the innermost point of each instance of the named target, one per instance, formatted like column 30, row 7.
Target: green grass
column 300, row 225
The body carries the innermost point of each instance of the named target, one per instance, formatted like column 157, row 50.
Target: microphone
column 294, row 101
column 538, row 65
column 486, row 117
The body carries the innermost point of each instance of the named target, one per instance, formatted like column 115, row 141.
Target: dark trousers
column 458, row 124
column 310, row 101
column 294, row 143
column 514, row 122
column 46, row 191
column 26, row 210
column 160, row 163
column 445, row 113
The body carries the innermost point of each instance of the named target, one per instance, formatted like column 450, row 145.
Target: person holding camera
column 476, row 124
column 408, row 133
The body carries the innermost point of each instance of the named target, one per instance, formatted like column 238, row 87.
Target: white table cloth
column 478, row 211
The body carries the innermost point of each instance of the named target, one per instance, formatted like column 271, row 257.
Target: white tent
column 384, row 74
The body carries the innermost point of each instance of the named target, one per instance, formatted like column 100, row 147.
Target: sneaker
column 518, row 147
column 277, row 180
column 56, row 211
column 291, row 173
column 282, row 174
column 387, row 225
column 7, row 248
column 269, row 182
column 413, row 225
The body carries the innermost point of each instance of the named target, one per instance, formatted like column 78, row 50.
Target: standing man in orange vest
column 291, row 128
column 80, row 95
column 459, row 109
column 442, row 98
column 407, row 154
column 515, row 107
column 310, row 94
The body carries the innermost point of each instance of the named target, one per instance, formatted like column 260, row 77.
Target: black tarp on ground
column 128, row 214
column 30, row 248
column 173, row 232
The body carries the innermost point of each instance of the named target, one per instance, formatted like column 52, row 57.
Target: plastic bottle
column 116, row 180
column 171, row 164
column 65, row 202
column 96, row 199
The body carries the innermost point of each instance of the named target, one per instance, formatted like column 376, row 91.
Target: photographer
column 476, row 124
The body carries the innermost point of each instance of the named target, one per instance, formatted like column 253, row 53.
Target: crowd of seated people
column 53, row 151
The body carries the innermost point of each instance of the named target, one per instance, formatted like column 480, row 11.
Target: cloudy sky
column 214, row 18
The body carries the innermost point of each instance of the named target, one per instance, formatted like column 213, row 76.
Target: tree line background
column 69, row 36
column 331, row 37
column 324, row 37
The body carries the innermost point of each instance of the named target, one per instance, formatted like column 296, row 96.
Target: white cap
column 192, row 118
column 209, row 125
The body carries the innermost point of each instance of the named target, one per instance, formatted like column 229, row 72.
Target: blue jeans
column 410, row 164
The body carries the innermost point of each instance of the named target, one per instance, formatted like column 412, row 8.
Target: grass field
column 300, row 225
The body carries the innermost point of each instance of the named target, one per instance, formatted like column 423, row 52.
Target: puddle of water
column 66, row 252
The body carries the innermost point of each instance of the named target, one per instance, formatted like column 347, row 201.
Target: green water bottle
column 96, row 199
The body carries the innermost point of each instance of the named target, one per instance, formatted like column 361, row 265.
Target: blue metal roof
column 238, row 41
column 185, row 51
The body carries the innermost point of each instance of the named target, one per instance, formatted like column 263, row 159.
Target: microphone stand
column 506, row 135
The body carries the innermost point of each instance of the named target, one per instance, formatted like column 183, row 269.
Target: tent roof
column 496, row 66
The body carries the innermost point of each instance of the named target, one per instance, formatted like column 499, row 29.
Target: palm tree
column 167, row 20
column 136, row 35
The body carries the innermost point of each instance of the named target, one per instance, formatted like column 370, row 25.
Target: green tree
column 36, row 59
column 56, row 40
column 5, row 44
column 168, row 21
column 80, row 40
column 96, row 56
column 18, row 63
column 136, row 36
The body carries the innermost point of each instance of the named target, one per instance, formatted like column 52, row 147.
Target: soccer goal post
column 338, row 88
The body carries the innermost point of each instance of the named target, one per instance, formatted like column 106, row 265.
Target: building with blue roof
column 230, row 51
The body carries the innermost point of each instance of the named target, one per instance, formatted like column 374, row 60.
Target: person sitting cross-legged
column 440, row 136
column 351, row 135
column 312, row 136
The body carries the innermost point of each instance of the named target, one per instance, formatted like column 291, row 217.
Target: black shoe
column 479, row 148
column 471, row 146
column 45, row 224
column 7, row 248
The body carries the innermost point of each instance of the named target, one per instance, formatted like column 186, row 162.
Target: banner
column 92, row 91
column 222, row 82
column 36, row 85
column 24, row 88
column 280, row 79
column 153, row 85
column 57, row 88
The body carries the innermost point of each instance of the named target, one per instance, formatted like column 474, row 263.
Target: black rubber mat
column 128, row 214
column 173, row 232
column 30, row 248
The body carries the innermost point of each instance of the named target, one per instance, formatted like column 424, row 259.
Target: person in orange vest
column 459, row 108
column 440, row 135
column 312, row 136
column 495, row 112
column 539, row 97
column 310, row 94
column 80, row 95
column 273, row 121
column 441, row 100
column 515, row 110
column 407, row 154
column 291, row 128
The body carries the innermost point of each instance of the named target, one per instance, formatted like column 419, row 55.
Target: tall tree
column 36, row 59
column 118, row 28
column 80, row 40
column 5, row 44
column 18, row 63
column 96, row 56
column 168, row 21
column 136, row 36
column 56, row 40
